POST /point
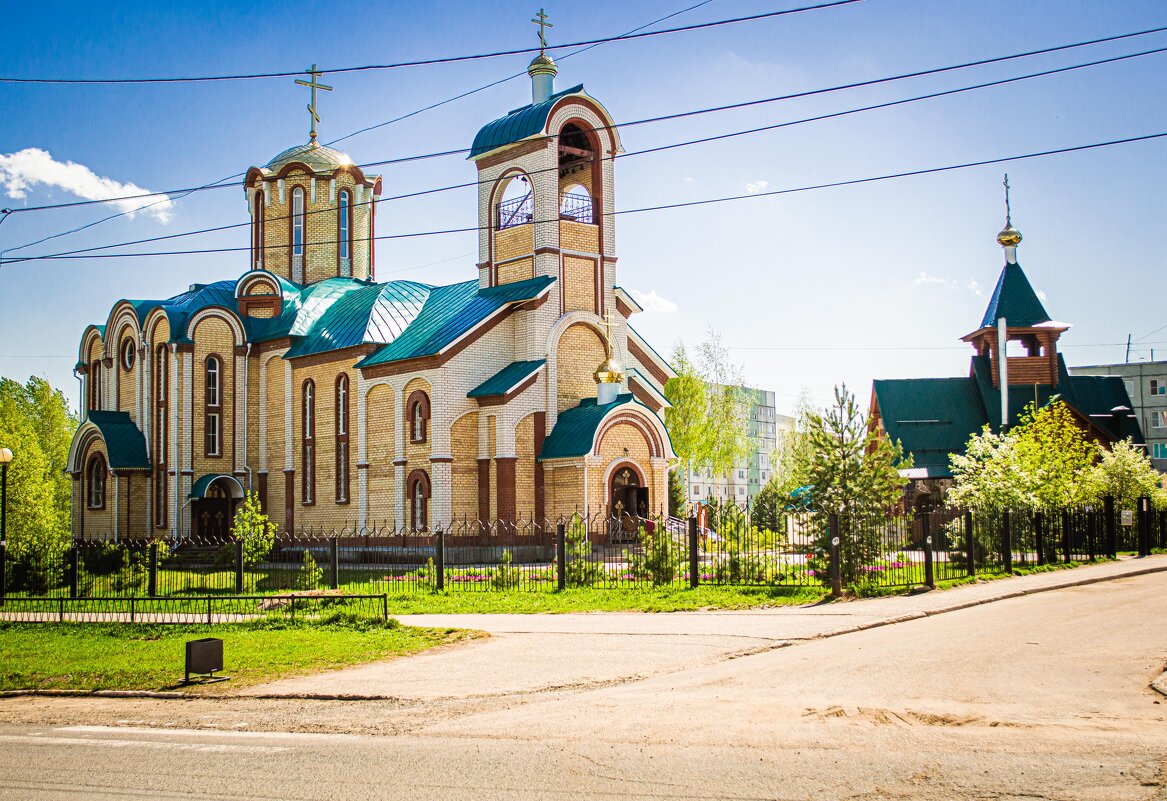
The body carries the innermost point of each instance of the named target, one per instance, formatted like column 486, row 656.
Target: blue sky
column 849, row 284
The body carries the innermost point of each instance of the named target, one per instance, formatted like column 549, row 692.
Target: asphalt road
column 1040, row 697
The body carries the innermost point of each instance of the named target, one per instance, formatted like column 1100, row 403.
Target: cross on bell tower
column 541, row 20
column 313, row 84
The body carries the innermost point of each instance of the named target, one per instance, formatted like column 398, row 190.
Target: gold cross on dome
column 541, row 20
column 313, row 84
column 1008, row 214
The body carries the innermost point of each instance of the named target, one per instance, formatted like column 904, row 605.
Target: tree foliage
column 254, row 528
column 1125, row 473
column 708, row 421
column 37, row 426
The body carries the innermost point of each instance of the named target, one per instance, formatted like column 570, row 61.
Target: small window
column 419, row 494
column 342, row 440
column 1159, row 451
column 344, row 232
column 1158, row 386
column 298, row 235
column 419, row 415
column 1159, row 420
column 213, row 399
column 95, row 385
column 95, row 494
column 257, row 230
column 127, row 354
column 516, row 205
column 308, row 441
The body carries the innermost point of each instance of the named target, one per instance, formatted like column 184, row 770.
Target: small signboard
column 1128, row 517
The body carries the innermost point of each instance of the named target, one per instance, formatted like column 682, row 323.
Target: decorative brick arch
column 219, row 313
column 624, row 416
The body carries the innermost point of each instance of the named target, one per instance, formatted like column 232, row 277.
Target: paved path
column 539, row 653
column 1042, row 697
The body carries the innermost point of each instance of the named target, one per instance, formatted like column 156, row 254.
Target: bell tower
column 312, row 210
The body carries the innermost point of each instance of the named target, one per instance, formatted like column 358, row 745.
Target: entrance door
column 213, row 514
column 629, row 502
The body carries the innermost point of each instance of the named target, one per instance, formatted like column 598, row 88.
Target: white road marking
column 225, row 733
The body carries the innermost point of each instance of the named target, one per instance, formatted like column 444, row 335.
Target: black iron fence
column 860, row 551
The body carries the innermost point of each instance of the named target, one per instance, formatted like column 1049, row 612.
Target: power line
column 660, row 118
column 904, row 347
column 441, row 60
column 663, row 206
column 628, row 154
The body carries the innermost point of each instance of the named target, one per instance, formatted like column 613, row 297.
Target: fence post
column 1006, row 541
column 3, row 568
column 561, row 555
column 1163, row 528
column 1144, row 526
column 1091, row 531
column 152, row 578
column 440, row 559
column 209, row 620
column 1067, row 557
column 929, row 568
column 1039, row 535
column 334, row 558
column 238, row 567
column 970, row 543
column 1111, row 533
column 74, row 570
column 385, row 607
column 694, row 555
column 836, row 569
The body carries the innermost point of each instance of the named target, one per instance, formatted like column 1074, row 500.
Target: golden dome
column 610, row 372
column 542, row 64
column 1009, row 237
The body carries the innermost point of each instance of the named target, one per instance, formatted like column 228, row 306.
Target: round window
column 128, row 354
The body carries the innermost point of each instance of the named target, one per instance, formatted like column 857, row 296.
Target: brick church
column 347, row 402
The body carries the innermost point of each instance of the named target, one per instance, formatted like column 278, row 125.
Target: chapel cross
column 1008, row 214
column 313, row 84
column 541, row 20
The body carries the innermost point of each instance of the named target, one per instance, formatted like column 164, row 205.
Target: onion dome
column 610, row 372
column 320, row 158
column 1009, row 237
column 542, row 64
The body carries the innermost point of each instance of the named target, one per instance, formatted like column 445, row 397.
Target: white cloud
column 924, row 278
column 25, row 169
column 1041, row 296
column 975, row 288
column 756, row 186
column 652, row 301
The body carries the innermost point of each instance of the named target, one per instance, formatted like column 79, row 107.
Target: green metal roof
column 507, row 379
column 449, row 313
column 575, row 429
column 1015, row 300
column 935, row 417
column 517, row 125
column 200, row 487
column 125, row 446
column 342, row 312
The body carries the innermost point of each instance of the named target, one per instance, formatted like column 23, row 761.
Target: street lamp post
column 5, row 458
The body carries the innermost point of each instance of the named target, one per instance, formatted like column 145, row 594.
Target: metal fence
column 862, row 551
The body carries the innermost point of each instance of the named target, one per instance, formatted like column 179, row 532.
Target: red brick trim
column 441, row 459
column 499, row 400
column 289, row 500
column 352, row 354
column 517, row 151
column 540, row 486
column 624, row 308
column 484, row 489
column 505, row 483
column 546, row 249
column 248, row 303
column 648, row 362
column 645, row 398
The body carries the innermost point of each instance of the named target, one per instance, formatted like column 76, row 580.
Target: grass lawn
column 648, row 599
column 87, row 656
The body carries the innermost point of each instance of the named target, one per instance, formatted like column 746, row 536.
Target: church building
column 344, row 402
column 1015, row 363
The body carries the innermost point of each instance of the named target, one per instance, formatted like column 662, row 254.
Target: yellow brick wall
column 417, row 455
column 525, row 468
column 126, row 381
column 275, row 438
column 261, row 313
column 492, row 449
column 579, row 280
column 563, row 487
column 98, row 522
column 516, row 271
column 581, row 178
column 464, row 470
column 579, row 353
column 518, row 240
column 320, row 227
column 379, row 429
column 612, row 447
column 325, row 514
column 213, row 336
column 580, row 237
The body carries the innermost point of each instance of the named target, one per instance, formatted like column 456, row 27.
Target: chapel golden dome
column 1009, row 236
column 610, row 372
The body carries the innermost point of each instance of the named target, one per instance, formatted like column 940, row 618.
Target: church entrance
column 212, row 514
column 629, row 502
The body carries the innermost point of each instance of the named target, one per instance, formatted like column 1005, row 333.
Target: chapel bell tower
column 312, row 210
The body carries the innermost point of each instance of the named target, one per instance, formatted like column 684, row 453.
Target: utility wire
column 628, row 154
column 441, row 60
column 660, row 207
column 664, row 118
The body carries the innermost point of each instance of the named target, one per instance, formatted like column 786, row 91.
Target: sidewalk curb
column 1160, row 684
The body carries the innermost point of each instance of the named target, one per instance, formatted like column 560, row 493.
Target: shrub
column 580, row 570
column 310, row 574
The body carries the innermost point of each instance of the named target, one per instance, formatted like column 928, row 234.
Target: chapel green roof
column 125, row 447
column 507, row 379
column 517, row 125
column 575, row 429
column 1014, row 299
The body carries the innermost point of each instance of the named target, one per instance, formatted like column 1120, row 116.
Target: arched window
column 419, row 495
column 576, row 205
column 308, row 438
column 257, row 230
column 213, row 402
column 344, row 228
column 418, row 409
column 95, row 480
column 161, row 388
column 342, row 449
column 127, row 354
column 95, row 385
column 515, row 203
column 298, row 235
